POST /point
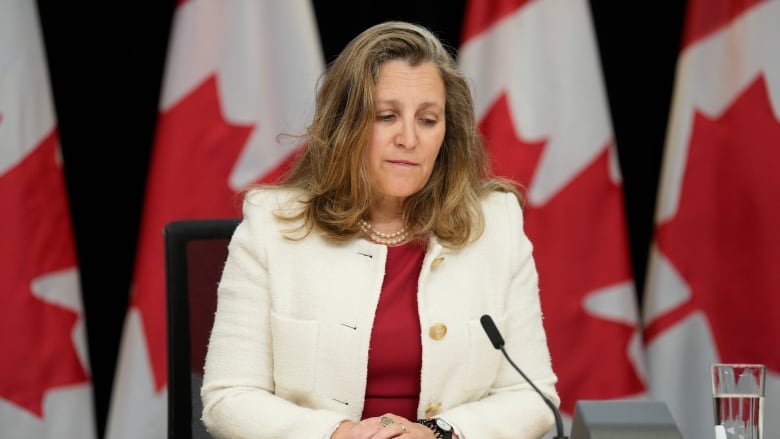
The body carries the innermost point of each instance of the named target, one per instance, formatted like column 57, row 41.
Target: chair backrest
column 195, row 253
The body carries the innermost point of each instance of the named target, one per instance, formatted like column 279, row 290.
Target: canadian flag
column 45, row 380
column 542, row 108
column 238, row 74
column 713, row 283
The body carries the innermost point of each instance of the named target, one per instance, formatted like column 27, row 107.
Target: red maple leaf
column 724, row 240
column 194, row 153
column 580, row 246
column 37, row 241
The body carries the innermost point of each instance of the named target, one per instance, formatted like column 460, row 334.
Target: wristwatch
column 444, row 427
column 441, row 429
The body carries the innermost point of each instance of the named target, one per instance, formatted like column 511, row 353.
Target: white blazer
column 288, row 352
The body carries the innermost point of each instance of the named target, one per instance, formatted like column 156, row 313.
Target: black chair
column 195, row 253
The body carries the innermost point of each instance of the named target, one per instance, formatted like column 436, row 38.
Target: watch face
column 443, row 424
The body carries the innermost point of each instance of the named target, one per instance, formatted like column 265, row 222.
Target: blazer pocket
column 483, row 360
column 294, row 352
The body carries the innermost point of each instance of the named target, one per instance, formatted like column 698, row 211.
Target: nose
column 407, row 136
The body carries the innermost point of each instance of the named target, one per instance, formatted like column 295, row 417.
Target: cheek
column 376, row 144
column 372, row 149
column 436, row 139
column 434, row 148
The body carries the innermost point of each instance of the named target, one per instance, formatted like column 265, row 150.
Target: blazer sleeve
column 238, row 385
column 511, row 408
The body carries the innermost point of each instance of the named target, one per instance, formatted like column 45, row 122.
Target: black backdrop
column 106, row 61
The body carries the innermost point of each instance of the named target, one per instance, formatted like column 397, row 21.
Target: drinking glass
column 738, row 400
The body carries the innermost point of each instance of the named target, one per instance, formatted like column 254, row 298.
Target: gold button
column 433, row 409
column 437, row 331
column 436, row 262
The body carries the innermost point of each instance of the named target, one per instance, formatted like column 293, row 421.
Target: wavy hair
column 332, row 173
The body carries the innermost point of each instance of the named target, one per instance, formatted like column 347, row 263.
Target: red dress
column 395, row 355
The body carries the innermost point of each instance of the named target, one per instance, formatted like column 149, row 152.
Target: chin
column 399, row 190
column 400, row 194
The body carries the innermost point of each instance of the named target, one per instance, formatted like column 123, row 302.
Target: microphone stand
column 556, row 413
column 498, row 342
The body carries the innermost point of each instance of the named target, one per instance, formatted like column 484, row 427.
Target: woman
column 350, row 301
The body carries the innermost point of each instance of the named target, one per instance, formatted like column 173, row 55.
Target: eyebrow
column 426, row 104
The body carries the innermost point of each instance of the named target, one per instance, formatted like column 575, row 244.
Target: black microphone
column 498, row 343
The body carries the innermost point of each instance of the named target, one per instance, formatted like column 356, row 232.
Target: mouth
column 401, row 162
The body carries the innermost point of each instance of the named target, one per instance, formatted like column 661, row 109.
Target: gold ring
column 385, row 421
column 403, row 428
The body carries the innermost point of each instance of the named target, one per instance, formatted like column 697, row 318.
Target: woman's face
column 408, row 130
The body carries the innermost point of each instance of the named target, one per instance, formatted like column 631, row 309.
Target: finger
column 366, row 428
column 390, row 427
column 397, row 429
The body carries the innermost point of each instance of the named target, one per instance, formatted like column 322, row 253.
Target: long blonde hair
column 332, row 174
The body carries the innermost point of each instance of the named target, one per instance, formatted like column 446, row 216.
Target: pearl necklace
column 378, row 237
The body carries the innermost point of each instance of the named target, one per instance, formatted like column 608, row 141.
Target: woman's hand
column 383, row 427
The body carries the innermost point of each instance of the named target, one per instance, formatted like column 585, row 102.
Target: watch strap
column 438, row 432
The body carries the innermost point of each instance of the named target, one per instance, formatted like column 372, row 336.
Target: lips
column 402, row 162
